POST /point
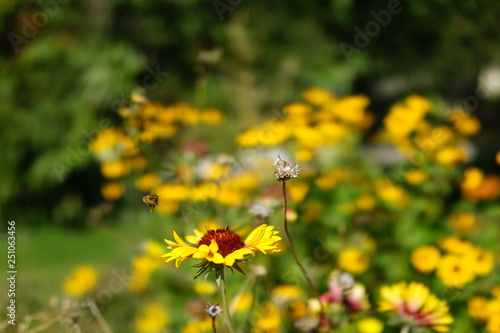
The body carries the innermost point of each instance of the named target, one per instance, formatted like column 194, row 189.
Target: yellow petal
column 218, row 258
column 214, row 247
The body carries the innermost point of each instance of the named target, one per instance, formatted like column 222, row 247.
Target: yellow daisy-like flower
column 477, row 308
column 425, row 258
column 222, row 246
column 455, row 271
column 414, row 305
column 481, row 261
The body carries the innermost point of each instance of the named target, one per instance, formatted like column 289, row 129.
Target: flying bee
column 151, row 201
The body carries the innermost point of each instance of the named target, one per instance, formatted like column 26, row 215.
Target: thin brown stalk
column 294, row 254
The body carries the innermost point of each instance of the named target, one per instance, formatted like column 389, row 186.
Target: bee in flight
column 151, row 201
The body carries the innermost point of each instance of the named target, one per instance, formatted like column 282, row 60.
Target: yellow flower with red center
column 223, row 246
column 425, row 258
column 415, row 306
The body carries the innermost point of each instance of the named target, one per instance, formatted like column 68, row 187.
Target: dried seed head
column 213, row 310
column 284, row 170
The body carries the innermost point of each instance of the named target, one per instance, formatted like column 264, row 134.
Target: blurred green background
column 65, row 67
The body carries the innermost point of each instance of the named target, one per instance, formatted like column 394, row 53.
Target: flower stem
column 405, row 329
column 214, row 330
column 224, row 301
column 294, row 254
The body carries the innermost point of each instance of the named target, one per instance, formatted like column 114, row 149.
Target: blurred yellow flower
column 303, row 155
column 142, row 268
column 211, row 116
column 111, row 144
column 297, row 109
column 464, row 122
column 455, row 271
column 414, row 304
column 416, row 176
column 113, row 191
column 330, row 179
column 481, row 261
column 353, row 260
column 477, row 308
column 393, row 194
column 167, row 207
column 456, row 245
column 365, row 202
column 463, row 221
column 147, row 182
column 243, row 302
column 425, row 258
column 297, row 191
column 153, row 248
column 317, row 96
column 298, row 309
column 199, row 326
column 493, row 324
column 495, row 291
column 81, row 280
column 351, row 109
column 417, row 102
column 285, row 293
column 152, row 318
column 370, row 325
column 173, row 192
column 450, row 155
column 209, row 223
column 268, row 319
column 205, row 288
column 472, row 179
column 497, row 158
column 115, row 169
column 138, row 162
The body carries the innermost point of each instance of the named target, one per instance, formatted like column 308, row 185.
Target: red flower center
column 227, row 240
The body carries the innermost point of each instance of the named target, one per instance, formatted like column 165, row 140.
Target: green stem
column 294, row 254
column 224, row 300
column 405, row 329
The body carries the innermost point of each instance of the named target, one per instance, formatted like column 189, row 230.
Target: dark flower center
column 227, row 240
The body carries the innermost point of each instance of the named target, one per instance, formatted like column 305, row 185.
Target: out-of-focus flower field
column 233, row 166
column 394, row 225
